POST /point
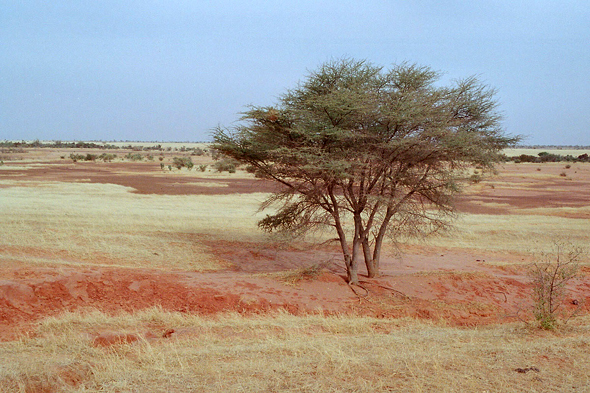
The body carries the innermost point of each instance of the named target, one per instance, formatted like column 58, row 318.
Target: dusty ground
column 460, row 286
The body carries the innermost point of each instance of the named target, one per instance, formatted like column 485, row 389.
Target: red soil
column 462, row 287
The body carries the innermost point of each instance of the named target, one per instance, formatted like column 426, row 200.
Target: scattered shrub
column 202, row 167
column 198, row 152
column 568, row 166
column 550, row 276
column 226, row 165
column 134, row 157
column 563, row 174
column 107, row 157
column 77, row 157
column 182, row 162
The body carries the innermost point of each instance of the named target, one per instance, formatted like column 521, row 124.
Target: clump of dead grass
column 309, row 273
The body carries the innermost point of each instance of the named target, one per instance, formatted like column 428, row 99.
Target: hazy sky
column 173, row 70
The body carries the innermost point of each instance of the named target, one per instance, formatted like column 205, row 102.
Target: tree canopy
column 369, row 152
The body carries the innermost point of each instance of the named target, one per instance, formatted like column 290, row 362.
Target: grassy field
column 52, row 223
column 106, row 224
column 92, row 223
column 283, row 353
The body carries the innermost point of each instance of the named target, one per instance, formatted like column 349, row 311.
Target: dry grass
column 520, row 234
column 70, row 223
column 284, row 353
column 81, row 223
column 535, row 152
column 295, row 276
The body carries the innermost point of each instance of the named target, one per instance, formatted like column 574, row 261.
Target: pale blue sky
column 173, row 70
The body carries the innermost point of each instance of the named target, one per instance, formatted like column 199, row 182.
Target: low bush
column 226, row 165
column 183, row 162
column 134, row 157
column 549, row 276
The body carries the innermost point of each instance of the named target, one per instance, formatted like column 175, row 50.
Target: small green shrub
column 203, row 167
column 134, row 157
column 226, row 165
column 183, row 162
column 77, row 157
column 107, row 157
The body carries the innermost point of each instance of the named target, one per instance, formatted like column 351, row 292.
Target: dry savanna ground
column 126, row 276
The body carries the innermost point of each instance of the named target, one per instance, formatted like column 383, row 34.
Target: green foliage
column 183, row 162
column 77, row 157
column 226, row 165
column 387, row 148
column 58, row 144
column 107, row 157
column 549, row 277
column 548, row 157
column 134, row 157
column 203, row 167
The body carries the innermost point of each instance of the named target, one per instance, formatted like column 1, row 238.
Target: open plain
column 138, row 276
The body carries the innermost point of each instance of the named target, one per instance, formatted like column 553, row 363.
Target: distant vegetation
column 549, row 157
column 196, row 151
column 58, row 144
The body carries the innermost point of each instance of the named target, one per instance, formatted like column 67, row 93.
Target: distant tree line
column 197, row 151
column 548, row 157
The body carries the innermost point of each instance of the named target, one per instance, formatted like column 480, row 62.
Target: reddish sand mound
column 462, row 298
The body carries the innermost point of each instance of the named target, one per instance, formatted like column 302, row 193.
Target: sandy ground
column 459, row 286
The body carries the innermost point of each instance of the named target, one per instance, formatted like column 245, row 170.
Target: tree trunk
column 373, row 263
column 350, row 261
column 370, row 261
column 354, row 266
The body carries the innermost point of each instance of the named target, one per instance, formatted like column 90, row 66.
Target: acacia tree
column 368, row 151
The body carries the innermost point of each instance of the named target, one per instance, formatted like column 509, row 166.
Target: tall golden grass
column 285, row 353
